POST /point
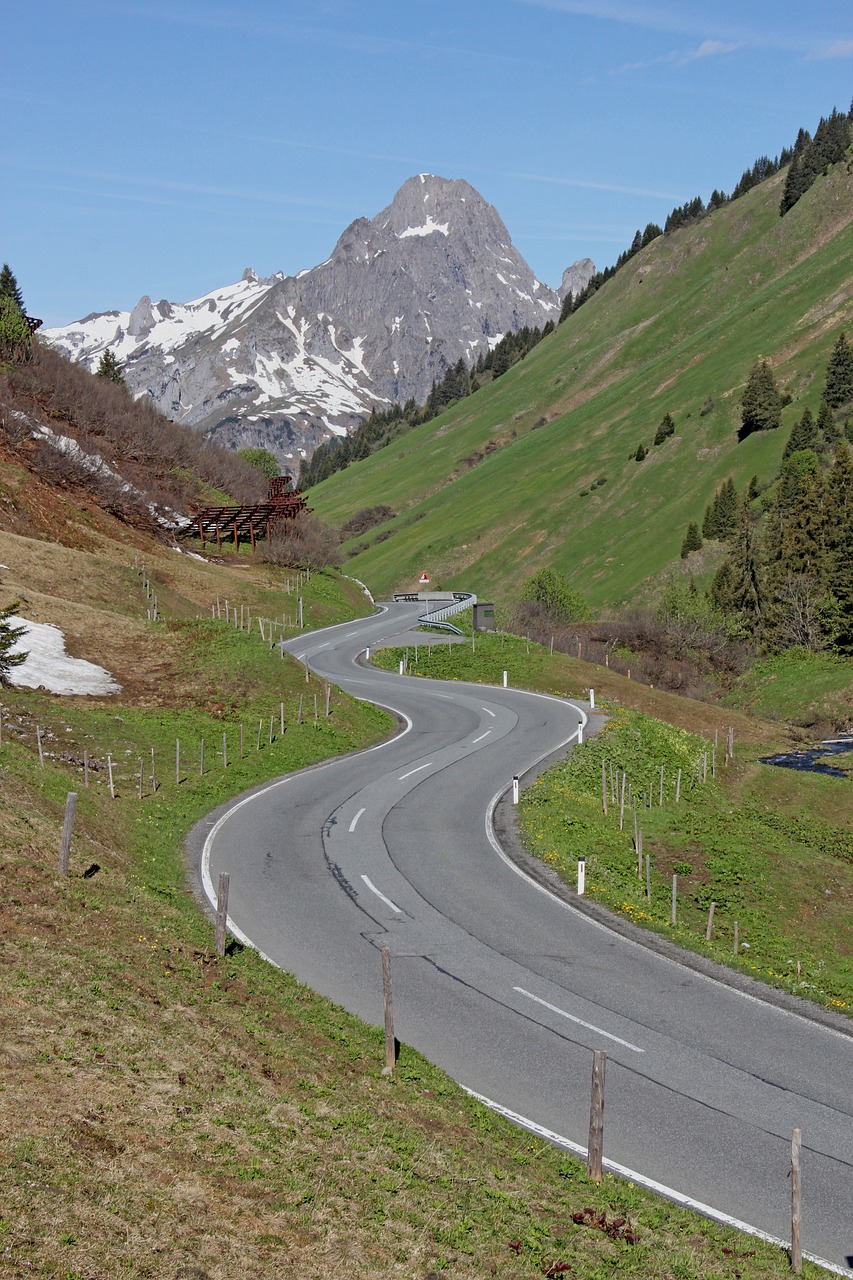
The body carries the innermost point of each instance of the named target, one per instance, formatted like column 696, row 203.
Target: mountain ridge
column 284, row 362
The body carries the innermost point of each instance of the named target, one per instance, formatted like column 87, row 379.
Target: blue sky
column 161, row 146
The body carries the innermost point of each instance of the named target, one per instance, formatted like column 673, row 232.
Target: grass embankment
column 772, row 848
column 164, row 1112
column 812, row 690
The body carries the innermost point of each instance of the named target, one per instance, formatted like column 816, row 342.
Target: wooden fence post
column 674, row 897
column 224, row 751
column 177, row 761
column 710, row 924
column 604, row 787
column 222, row 912
column 110, row 775
column 281, row 717
column 201, row 759
column 796, row 1243
column 388, row 998
column 737, row 942
column 648, row 880
column 38, row 744
column 67, row 828
column 596, row 1117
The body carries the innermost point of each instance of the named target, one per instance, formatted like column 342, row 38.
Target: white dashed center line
column 372, row 887
column 580, row 1022
column 404, row 776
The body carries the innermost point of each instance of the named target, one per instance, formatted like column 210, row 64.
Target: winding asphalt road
column 506, row 986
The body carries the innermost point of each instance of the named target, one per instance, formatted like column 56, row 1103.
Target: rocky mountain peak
column 282, row 362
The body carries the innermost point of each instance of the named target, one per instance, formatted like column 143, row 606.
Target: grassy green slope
column 682, row 322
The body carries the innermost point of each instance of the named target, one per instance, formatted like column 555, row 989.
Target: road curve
column 505, row 986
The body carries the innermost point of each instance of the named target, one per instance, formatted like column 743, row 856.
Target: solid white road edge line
column 580, row 1022
column 372, row 887
column 352, row 825
column 707, row 1211
column 206, row 880
column 605, row 928
column 481, row 737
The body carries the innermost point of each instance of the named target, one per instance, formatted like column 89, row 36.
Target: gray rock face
column 285, row 362
column 576, row 277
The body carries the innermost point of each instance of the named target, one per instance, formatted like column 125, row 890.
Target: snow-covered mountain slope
column 286, row 361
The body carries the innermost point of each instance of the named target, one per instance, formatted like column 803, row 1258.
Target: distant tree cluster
column 812, row 157
column 787, row 578
column 384, row 426
column 598, row 278
column 664, row 431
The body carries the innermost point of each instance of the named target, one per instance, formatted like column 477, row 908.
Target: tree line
column 808, row 159
column 383, row 426
column 787, row 576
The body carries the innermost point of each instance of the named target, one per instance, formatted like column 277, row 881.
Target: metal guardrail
column 438, row 617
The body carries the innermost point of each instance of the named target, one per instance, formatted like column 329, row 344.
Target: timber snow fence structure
column 247, row 523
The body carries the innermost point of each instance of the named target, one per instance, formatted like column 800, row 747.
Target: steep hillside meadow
column 538, row 467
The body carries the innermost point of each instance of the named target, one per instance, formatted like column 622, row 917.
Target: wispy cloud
column 140, row 188
column 680, row 58
column 712, row 49
column 245, row 21
column 840, row 49
column 590, row 184
column 689, row 20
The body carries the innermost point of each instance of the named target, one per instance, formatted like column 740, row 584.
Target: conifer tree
column 9, row 634
column 803, row 436
column 641, row 453
column 692, row 540
column 9, row 286
column 110, row 369
column 826, row 427
column 761, row 403
column 665, row 430
column 794, row 186
column 738, row 588
column 839, row 375
column 838, row 491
